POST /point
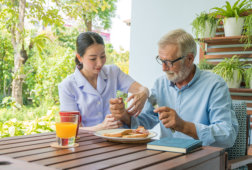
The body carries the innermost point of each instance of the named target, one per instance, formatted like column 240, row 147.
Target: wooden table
column 34, row 152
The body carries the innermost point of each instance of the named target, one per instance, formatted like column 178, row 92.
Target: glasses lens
column 159, row 60
column 167, row 63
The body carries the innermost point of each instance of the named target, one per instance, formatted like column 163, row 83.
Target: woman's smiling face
column 93, row 59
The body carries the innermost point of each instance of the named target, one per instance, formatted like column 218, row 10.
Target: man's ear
column 190, row 58
column 79, row 57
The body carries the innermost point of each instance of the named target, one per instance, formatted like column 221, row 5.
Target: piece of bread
column 141, row 130
column 135, row 135
column 118, row 134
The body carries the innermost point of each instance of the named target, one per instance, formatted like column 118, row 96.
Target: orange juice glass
column 66, row 113
column 66, row 127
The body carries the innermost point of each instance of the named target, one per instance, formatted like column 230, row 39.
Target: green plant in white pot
column 248, row 76
column 233, row 21
column 204, row 25
column 231, row 70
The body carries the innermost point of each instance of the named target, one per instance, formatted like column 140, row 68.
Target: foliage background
column 49, row 61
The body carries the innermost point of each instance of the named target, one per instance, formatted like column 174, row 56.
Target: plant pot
column 235, row 83
column 233, row 26
column 208, row 32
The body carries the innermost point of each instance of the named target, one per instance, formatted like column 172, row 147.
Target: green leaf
column 232, row 11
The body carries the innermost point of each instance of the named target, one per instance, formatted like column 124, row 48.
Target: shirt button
column 99, row 112
column 98, row 103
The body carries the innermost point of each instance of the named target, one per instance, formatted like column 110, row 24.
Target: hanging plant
column 202, row 23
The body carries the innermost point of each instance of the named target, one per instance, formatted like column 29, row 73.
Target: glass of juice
column 66, row 113
column 66, row 127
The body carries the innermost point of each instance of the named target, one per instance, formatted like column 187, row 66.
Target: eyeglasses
column 168, row 62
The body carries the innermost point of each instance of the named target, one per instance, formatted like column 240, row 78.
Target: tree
column 6, row 63
column 119, row 58
column 12, row 16
column 91, row 11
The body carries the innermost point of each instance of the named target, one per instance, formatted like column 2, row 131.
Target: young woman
column 93, row 84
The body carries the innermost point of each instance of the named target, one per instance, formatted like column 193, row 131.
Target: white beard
column 180, row 76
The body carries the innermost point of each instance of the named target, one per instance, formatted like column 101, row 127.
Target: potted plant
column 233, row 20
column 248, row 77
column 204, row 65
column 248, row 30
column 231, row 70
column 204, row 25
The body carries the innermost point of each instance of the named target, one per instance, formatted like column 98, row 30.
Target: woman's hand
column 139, row 100
column 110, row 123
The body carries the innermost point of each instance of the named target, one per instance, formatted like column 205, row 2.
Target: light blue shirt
column 77, row 94
column 205, row 101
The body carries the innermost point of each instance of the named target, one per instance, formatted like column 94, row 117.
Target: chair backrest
column 240, row 146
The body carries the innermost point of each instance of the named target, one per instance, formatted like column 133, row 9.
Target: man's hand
column 118, row 110
column 169, row 118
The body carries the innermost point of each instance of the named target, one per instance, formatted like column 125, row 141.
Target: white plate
column 124, row 140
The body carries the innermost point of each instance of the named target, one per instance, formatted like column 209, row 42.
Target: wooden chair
column 237, row 155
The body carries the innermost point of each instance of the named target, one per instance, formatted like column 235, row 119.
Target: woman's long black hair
column 85, row 40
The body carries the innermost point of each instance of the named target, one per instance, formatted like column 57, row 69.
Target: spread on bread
column 140, row 132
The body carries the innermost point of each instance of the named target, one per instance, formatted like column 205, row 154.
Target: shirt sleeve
column 223, row 127
column 124, row 81
column 148, row 119
column 66, row 97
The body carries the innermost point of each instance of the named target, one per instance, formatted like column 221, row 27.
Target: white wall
column 120, row 32
column 151, row 19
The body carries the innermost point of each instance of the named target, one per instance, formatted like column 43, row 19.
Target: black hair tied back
column 85, row 40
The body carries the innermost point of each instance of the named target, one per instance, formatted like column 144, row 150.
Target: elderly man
column 194, row 103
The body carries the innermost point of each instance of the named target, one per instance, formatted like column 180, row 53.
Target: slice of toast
column 135, row 135
column 118, row 134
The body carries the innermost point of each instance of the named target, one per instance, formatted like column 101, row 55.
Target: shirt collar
column 101, row 81
column 170, row 83
column 195, row 77
column 81, row 80
column 102, row 75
